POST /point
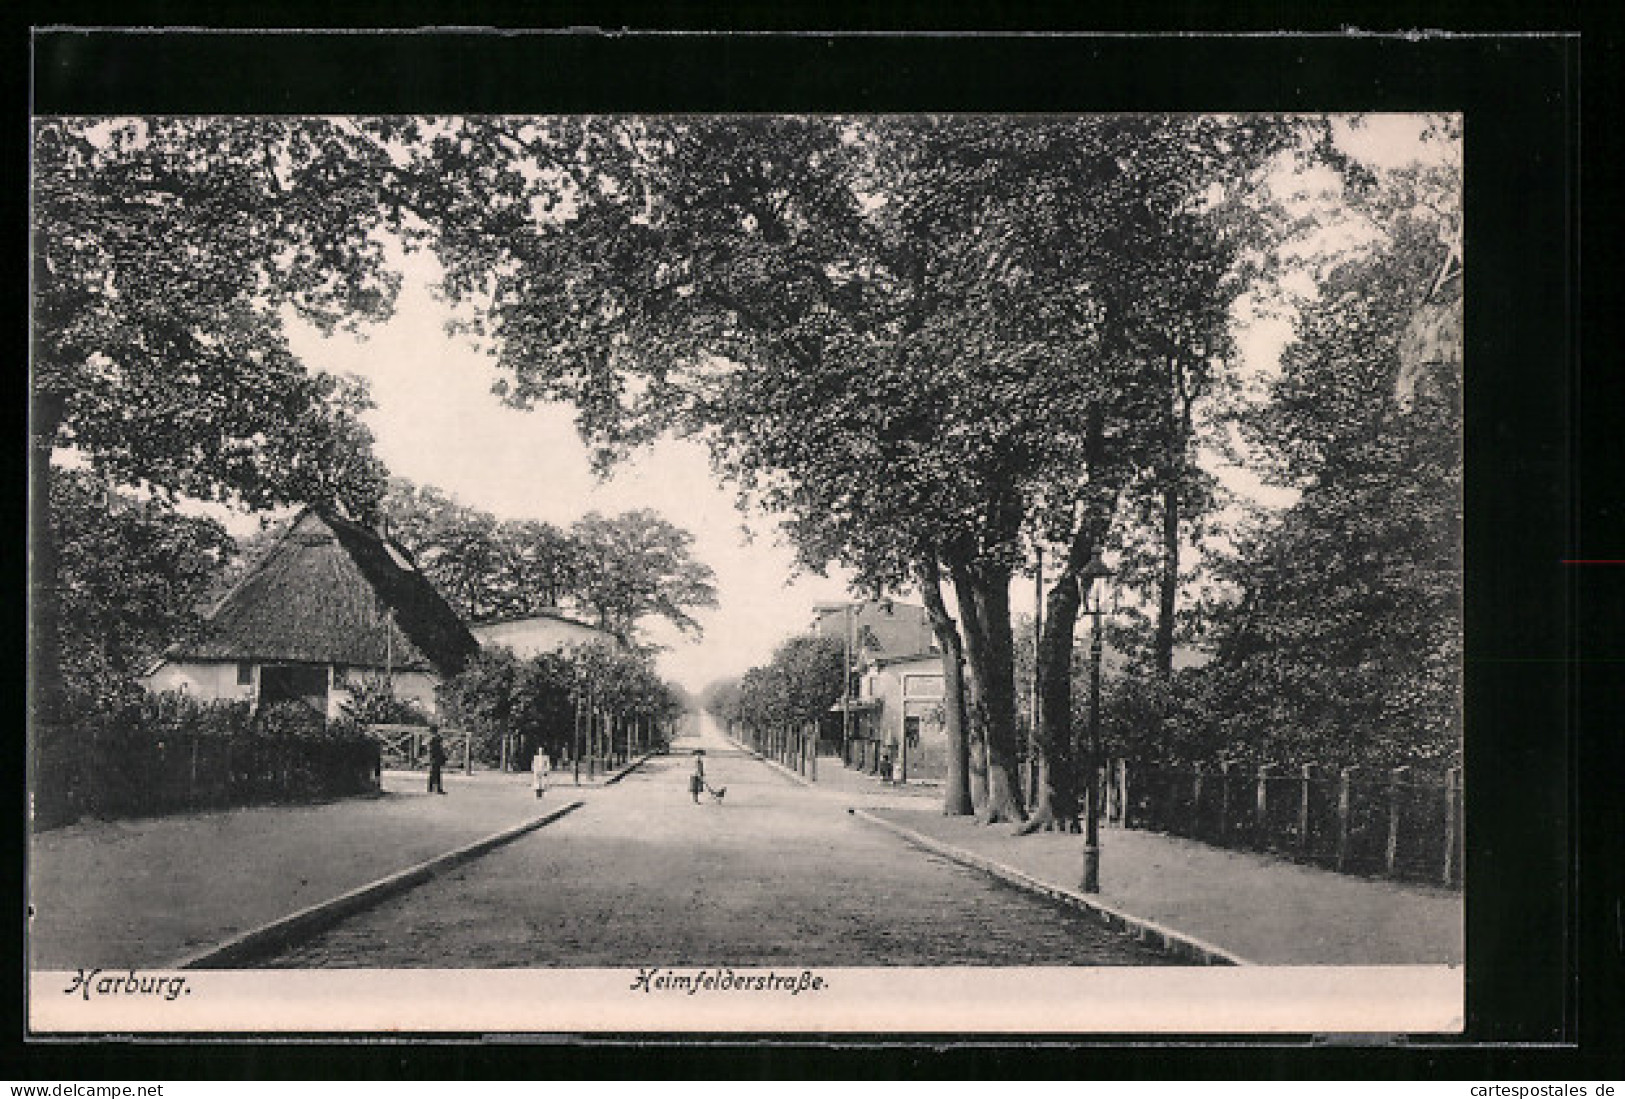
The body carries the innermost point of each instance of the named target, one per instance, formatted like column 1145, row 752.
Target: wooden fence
column 104, row 770
column 1396, row 824
column 407, row 746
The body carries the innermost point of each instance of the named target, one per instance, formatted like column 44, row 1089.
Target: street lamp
column 1092, row 587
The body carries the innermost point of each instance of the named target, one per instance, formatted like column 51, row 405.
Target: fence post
column 1452, row 778
column 1261, row 814
column 1344, row 779
column 1224, row 800
column 1308, row 778
column 191, row 789
column 1395, row 777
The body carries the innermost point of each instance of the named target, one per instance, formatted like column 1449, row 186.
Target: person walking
column 541, row 766
column 437, row 760
column 696, row 781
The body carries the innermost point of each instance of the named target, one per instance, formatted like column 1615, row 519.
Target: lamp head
column 1092, row 582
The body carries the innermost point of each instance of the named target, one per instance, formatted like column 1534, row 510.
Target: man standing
column 437, row 760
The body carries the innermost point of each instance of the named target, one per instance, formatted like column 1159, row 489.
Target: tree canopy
column 916, row 338
column 622, row 569
column 164, row 254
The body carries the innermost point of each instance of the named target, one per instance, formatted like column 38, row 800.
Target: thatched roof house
column 330, row 601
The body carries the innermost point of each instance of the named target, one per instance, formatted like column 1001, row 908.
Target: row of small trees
column 776, row 707
column 590, row 706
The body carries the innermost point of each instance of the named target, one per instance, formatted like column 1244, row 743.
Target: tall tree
column 876, row 319
column 134, row 576
column 1347, row 633
column 639, row 565
column 164, row 251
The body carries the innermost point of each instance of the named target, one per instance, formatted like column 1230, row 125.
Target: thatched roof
column 330, row 591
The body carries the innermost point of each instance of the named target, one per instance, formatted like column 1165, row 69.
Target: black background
column 1544, row 765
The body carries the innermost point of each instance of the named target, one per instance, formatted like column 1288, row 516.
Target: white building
column 541, row 632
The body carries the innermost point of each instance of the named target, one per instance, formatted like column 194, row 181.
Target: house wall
column 904, row 690
column 212, row 681
column 208, row 681
column 529, row 637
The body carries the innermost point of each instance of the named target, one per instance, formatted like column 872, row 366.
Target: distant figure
column 696, row 781
column 885, row 766
column 437, row 760
column 540, row 767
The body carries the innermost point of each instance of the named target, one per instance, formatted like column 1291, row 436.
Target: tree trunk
column 1057, row 803
column 1168, row 583
column 956, row 797
column 984, row 605
column 1181, row 401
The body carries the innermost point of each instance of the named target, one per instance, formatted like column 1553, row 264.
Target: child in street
column 541, row 766
column 696, row 781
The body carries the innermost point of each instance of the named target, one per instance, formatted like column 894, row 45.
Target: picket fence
column 1397, row 824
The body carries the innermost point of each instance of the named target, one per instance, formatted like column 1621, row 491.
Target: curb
column 597, row 782
column 793, row 776
column 1177, row 943
column 307, row 922
column 628, row 769
column 780, row 769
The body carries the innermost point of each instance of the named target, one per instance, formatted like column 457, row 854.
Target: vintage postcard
column 815, row 573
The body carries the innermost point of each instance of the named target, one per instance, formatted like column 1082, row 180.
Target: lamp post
column 1093, row 583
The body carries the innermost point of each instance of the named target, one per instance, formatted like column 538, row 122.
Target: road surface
column 774, row 874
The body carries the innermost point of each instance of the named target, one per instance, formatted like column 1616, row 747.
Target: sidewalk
column 854, row 787
column 1266, row 910
column 148, row 891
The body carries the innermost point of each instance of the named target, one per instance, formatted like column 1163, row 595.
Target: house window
column 922, row 686
column 245, row 674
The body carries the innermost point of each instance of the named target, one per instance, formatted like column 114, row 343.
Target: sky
column 438, row 423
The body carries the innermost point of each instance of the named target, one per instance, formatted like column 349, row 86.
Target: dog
column 717, row 794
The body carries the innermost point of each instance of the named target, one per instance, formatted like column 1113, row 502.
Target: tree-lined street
column 774, row 874
column 1197, row 377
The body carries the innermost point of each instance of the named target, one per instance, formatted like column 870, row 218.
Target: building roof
column 911, row 658
column 541, row 612
column 331, row 591
column 880, row 627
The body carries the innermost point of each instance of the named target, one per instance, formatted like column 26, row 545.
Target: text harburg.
column 726, row 980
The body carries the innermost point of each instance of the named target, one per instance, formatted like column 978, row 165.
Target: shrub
column 373, row 702
column 169, row 752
